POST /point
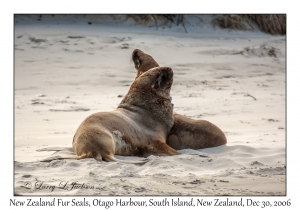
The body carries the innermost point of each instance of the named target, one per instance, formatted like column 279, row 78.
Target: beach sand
column 67, row 68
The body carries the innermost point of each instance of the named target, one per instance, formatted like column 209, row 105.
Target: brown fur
column 142, row 62
column 139, row 126
column 186, row 133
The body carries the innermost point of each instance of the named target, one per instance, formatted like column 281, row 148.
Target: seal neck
column 158, row 108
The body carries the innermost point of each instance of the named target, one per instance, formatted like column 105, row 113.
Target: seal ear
column 136, row 59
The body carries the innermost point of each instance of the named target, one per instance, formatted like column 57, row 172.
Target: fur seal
column 139, row 126
column 186, row 133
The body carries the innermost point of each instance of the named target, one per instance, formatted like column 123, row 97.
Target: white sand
column 66, row 70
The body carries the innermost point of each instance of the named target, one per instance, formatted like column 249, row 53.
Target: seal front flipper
column 161, row 148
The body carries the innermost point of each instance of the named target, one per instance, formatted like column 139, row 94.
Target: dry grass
column 269, row 23
column 163, row 19
column 231, row 22
column 273, row 24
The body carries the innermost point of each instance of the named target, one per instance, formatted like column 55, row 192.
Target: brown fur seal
column 139, row 126
column 186, row 133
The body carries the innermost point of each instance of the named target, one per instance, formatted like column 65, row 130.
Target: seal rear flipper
column 49, row 159
column 55, row 149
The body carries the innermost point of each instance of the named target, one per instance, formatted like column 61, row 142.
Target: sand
column 67, row 69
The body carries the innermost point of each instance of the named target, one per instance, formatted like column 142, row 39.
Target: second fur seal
column 186, row 133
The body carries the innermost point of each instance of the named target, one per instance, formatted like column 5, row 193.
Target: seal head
column 142, row 62
column 151, row 92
